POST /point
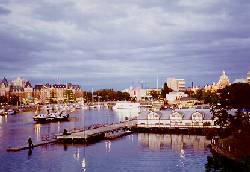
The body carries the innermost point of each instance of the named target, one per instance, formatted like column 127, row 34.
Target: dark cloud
column 116, row 43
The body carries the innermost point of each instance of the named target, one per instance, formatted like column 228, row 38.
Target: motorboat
column 50, row 117
column 10, row 112
column 40, row 117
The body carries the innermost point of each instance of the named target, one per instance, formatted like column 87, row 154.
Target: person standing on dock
column 30, row 143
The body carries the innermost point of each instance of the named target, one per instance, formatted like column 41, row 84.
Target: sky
column 116, row 43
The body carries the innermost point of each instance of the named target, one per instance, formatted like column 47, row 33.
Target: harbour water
column 136, row 152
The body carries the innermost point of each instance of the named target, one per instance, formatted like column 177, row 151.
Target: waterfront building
column 58, row 92
column 176, row 118
column 23, row 89
column 223, row 81
column 176, row 84
column 77, row 91
column 48, row 93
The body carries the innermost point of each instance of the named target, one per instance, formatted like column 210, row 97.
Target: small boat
column 10, row 112
column 40, row 117
column 92, row 107
column 77, row 106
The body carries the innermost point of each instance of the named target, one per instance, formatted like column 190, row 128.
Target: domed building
column 223, row 81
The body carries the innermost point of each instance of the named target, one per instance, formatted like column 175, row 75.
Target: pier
column 96, row 134
column 24, row 147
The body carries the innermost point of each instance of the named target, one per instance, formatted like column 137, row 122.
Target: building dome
column 223, row 81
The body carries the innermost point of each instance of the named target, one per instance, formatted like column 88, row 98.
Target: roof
column 59, row 86
column 165, row 114
column 187, row 114
column 16, row 88
column 38, row 87
column 27, row 84
column 4, row 81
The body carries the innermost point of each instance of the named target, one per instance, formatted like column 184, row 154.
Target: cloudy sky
column 117, row 43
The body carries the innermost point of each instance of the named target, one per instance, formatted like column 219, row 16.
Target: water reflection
column 38, row 131
column 177, row 143
column 29, row 153
column 76, row 155
column 84, row 168
column 108, row 146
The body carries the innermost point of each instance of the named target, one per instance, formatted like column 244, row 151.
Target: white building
column 176, row 118
column 141, row 93
column 176, row 84
column 173, row 96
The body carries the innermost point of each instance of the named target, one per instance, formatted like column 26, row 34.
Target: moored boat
column 51, row 117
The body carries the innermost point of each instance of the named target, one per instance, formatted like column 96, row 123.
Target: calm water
column 137, row 152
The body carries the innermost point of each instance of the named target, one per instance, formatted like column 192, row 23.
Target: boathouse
column 176, row 118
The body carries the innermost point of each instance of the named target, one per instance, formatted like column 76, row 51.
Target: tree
column 155, row 95
column 235, row 96
column 3, row 100
column 165, row 90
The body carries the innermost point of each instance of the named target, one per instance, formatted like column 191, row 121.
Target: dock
column 24, row 147
column 96, row 134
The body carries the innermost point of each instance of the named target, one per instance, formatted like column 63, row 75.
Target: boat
column 126, row 105
column 40, row 117
column 92, row 107
column 51, row 117
column 10, row 112
column 77, row 106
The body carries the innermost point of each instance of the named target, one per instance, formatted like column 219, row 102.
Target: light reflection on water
column 136, row 152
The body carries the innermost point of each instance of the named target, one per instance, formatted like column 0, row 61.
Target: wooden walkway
column 94, row 134
column 24, row 147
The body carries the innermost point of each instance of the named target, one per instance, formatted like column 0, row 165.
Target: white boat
column 92, row 107
column 55, row 116
column 10, row 112
column 126, row 105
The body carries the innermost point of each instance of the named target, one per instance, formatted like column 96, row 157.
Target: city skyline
column 118, row 44
column 137, row 84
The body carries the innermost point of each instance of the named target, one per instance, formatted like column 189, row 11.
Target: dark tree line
column 106, row 95
column 203, row 95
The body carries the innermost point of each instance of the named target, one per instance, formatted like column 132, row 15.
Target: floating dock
column 24, row 147
column 93, row 135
